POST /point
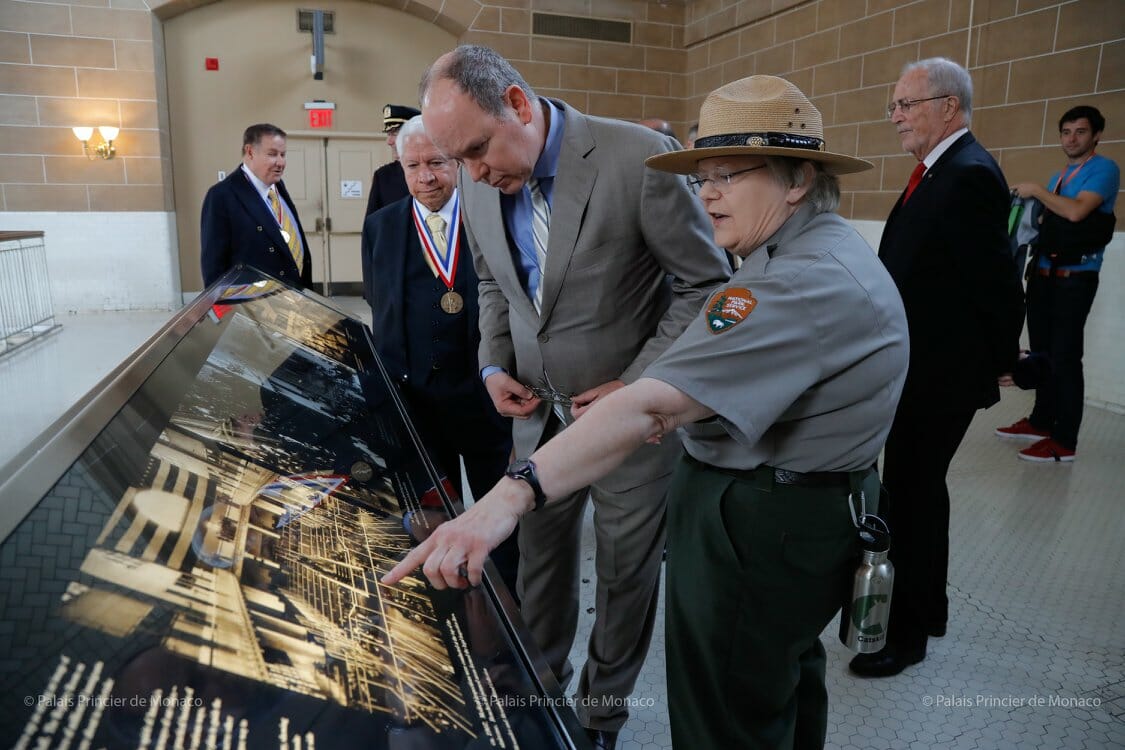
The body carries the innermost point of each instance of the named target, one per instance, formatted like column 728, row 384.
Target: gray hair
column 482, row 73
column 947, row 77
column 411, row 128
column 824, row 193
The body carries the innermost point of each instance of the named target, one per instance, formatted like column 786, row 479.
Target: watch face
column 519, row 466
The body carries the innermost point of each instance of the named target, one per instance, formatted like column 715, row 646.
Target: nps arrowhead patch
column 729, row 307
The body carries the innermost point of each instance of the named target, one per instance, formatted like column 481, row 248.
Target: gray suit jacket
column 630, row 261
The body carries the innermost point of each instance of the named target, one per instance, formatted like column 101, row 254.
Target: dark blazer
column 238, row 227
column 388, row 185
column 388, row 236
column 947, row 250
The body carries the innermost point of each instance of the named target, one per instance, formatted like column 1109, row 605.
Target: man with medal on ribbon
column 424, row 319
column 249, row 217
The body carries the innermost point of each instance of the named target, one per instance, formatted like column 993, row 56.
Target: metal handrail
column 26, row 312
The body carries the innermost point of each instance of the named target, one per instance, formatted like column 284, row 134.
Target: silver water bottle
column 866, row 614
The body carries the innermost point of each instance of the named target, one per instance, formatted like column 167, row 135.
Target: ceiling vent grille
column 573, row 27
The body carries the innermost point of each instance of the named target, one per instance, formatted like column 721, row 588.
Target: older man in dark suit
column 249, row 217
column 424, row 320
column 946, row 246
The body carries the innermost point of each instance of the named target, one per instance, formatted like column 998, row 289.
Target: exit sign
column 320, row 118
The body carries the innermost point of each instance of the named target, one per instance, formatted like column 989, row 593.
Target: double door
column 329, row 179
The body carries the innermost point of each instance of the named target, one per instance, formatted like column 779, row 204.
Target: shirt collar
column 942, row 147
column 445, row 212
column 262, row 188
column 548, row 164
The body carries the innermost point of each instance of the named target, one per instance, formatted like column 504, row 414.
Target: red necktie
column 915, row 178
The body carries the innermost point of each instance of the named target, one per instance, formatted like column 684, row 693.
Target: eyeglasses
column 908, row 104
column 548, row 393
column 718, row 180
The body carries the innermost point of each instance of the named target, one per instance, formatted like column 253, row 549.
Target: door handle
column 319, row 224
column 328, row 223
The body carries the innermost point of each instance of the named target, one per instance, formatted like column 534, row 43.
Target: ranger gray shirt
column 802, row 355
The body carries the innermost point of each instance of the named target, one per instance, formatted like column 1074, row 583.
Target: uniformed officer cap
column 394, row 115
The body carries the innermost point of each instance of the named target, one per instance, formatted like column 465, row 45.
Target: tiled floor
column 1035, row 655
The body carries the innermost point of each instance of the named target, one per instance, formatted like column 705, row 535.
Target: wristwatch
column 523, row 469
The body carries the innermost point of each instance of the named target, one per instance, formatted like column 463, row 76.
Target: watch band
column 523, row 469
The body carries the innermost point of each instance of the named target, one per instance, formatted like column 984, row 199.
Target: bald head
column 660, row 126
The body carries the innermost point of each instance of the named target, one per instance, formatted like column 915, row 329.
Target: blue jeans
column 1056, row 318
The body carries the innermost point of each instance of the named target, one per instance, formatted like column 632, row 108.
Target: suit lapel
column 574, row 182
column 483, row 203
column 261, row 213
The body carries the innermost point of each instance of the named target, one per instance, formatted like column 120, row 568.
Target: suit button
column 544, row 338
column 259, row 229
column 281, row 273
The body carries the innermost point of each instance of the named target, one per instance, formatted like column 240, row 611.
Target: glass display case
column 190, row 558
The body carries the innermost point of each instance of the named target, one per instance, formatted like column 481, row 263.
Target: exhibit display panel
column 192, row 559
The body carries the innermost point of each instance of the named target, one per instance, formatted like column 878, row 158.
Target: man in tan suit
column 590, row 266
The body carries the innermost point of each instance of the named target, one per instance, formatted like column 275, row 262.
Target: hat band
column 760, row 140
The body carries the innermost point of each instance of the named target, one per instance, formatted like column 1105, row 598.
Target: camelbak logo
column 861, row 608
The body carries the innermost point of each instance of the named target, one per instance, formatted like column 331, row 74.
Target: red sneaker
column 1047, row 451
column 1022, row 430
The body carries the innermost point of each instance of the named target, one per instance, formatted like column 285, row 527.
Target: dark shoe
column 602, row 739
column 890, row 661
column 936, row 630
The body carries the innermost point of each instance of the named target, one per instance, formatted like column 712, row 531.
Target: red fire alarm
column 211, row 63
column 320, row 118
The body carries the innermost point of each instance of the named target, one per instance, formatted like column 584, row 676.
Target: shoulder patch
column 729, row 307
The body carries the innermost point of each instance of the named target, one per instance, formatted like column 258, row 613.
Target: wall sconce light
column 104, row 150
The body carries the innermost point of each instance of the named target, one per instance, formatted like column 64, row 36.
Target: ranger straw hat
column 758, row 116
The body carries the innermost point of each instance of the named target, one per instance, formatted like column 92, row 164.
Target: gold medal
column 285, row 236
column 451, row 302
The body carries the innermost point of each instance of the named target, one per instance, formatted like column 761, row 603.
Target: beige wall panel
column 514, row 21
column 587, row 78
column 985, row 11
column 697, row 57
column 920, row 20
column 78, row 51
column 580, row 100
column 112, row 23
column 1027, row 6
column 827, row 107
column 1076, row 30
column 757, row 37
column 539, row 73
column 878, row 138
column 549, row 49
column 990, row 85
column 70, row 112
column 663, row 108
column 1023, row 36
column 959, row 13
column 35, row 18
column 873, row 206
column 376, row 56
column 678, row 86
column 670, row 13
column 21, row 169
column 950, row 45
column 843, row 139
column 721, row 22
column 869, row 180
column 706, row 81
column 1053, row 76
column 797, row 23
column 1112, row 72
column 639, row 82
column 144, row 171
column 458, row 16
column 116, row 84
column 1031, row 164
column 802, row 79
column 78, row 170
column 832, row 13
column 487, row 20
column 737, row 69
column 139, row 115
column 33, row 140
column 1112, row 107
column 623, row 106
column 897, row 169
column 667, row 60
column 864, row 105
column 843, row 75
column 723, row 49
column 817, row 49
column 18, row 110
column 508, row 45
column 869, row 34
column 134, row 55
column 775, row 60
column 37, row 80
column 14, row 48
column 126, row 198
column 613, row 55
column 654, row 34
column 36, row 197
column 1011, row 126
column 885, row 66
